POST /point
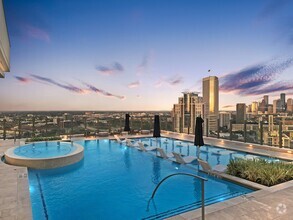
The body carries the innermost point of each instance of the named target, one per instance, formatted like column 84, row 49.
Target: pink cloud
column 133, row 84
column 36, row 33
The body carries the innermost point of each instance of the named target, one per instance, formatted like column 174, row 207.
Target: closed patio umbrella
column 198, row 135
column 127, row 127
column 157, row 130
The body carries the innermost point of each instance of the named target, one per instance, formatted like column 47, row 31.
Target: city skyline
column 142, row 55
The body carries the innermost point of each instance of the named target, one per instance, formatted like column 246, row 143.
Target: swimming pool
column 116, row 182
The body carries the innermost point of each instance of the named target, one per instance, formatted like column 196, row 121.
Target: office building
column 210, row 90
column 282, row 102
column 185, row 112
column 225, row 118
column 240, row 113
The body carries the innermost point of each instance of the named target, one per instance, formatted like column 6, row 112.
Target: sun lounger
column 207, row 168
column 143, row 148
column 130, row 144
column 163, row 154
column 183, row 160
column 118, row 139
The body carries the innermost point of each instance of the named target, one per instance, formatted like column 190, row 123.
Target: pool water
column 45, row 149
column 213, row 155
column 116, row 182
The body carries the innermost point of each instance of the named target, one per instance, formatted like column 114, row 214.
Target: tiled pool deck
column 268, row 203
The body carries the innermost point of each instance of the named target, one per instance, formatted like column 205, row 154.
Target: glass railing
column 17, row 126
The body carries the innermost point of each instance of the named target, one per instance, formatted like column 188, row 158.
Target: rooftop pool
column 114, row 181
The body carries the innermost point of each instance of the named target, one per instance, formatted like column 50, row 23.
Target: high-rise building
column 4, row 43
column 282, row 102
column 240, row 113
column 210, row 91
column 225, row 118
column 271, row 123
column 276, row 106
column 266, row 99
column 290, row 105
column 270, row 109
column 185, row 112
column 254, row 108
column 262, row 106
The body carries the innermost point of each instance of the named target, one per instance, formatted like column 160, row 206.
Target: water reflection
column 156, row 170
column 126, row 158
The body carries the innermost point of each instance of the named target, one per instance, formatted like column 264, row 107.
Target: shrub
column 261, row 171
column 55, row 138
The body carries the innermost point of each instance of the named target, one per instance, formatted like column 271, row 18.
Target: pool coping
column 44, row 163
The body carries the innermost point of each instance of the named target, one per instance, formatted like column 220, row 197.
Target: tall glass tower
column 210, row 91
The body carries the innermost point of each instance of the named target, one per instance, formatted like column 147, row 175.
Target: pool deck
column 268, row 203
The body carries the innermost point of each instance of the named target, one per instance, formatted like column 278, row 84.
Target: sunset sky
column 141, row 54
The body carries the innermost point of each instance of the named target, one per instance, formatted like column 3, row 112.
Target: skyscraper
column 283, row 102
column 290, row 105
column 240, row 113
column 185, row 112
column 254, row 108
column 276, row 106
column 266, row 99
column 210, row 90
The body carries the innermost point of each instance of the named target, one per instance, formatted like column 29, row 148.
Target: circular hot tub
column 44, row 155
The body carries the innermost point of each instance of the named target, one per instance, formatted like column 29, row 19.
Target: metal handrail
column 186, row 174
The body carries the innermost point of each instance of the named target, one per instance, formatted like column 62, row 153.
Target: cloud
column 228, row 106
column 23, row 80
column 102, row 92
column 281, row 86
column 142, row 67
column 68, row 87
column 133, row 84
column 176, row 80
column 253, row 78
column 109, row 70
column 172, row 81
column 28, row 23
column 36, row 33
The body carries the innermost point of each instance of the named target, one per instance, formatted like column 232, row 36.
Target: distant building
column 276, row 106
column 240, row 113
column 254, row 108
column 270, row 109
column 266, row 99
column 290, row 105
column 282, row 102
column 185, row 112
column 4, row 43
column 225, row 118
column 210, row 91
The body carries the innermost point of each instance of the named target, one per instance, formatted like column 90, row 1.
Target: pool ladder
column 185, row 174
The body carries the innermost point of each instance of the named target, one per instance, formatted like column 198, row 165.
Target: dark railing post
column 218, row 128
column 280, row 135
column 46, row 125
column 207, row 127
column 202, row 200
column 245, row 131
column 261, row 132
column 71, row 127
column 230, row 129
column 33, row 128
column 19, row 128
column 4, row 129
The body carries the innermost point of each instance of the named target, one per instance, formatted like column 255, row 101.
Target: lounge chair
column 118, row 139
column 207, row 167
column 183, row 160
column 143, row 148
column 163, row 154
column 130, row 144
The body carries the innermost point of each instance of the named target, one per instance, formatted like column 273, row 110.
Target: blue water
column 116, row 182
column 45, row 149
column 213, row 155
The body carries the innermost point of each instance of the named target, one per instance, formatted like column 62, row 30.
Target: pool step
column 192, row 206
